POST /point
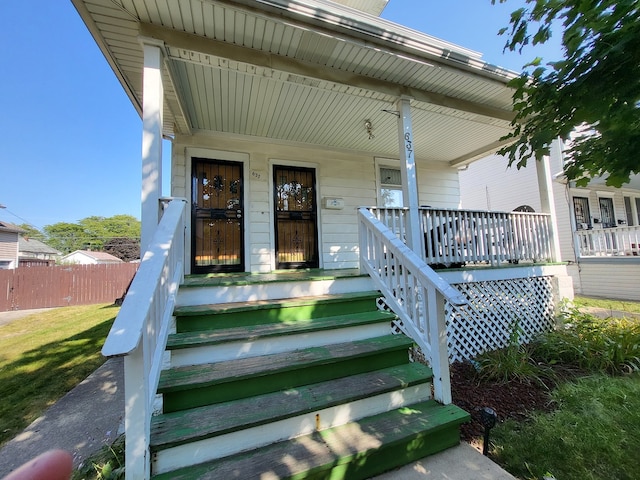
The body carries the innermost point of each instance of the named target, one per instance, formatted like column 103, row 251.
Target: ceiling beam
column 249, row 56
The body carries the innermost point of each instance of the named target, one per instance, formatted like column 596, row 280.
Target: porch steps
column 252, row 383
column 355, row 450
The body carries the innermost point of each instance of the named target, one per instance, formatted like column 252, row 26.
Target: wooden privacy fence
column 64, row 285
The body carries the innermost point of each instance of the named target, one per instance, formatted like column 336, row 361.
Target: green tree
column 594, row 89
column 91, row 232
column 32, row 232
column 66, row 237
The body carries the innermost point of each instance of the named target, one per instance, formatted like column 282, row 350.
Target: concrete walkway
column 85, row 419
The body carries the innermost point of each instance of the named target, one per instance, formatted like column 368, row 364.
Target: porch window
column 607, row 216
column 628, row 211
column 581, row 211
column 638, row 209
column 390, row 187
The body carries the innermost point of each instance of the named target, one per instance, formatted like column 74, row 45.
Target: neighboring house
column 285, row 118
column 89, row 257
column 9, row 234
column 33, row 252
column 598, row 226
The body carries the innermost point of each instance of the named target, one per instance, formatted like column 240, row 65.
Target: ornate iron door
column 296, row 226
column 217, row 213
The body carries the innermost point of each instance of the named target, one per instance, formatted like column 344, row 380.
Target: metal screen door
column 296, row 228
column 217, row 216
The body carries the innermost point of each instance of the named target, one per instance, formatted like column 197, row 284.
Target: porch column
column 547, row 201
column 152, row 100
column 408, row 173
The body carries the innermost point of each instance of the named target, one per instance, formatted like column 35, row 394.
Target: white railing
column 456, row 237
column 139, row 332
column 602, row 242
column 413, row 291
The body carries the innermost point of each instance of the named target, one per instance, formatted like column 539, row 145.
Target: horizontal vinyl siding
column 614, row 279
column 339, row 174
column 9, row 246
column 489, row 184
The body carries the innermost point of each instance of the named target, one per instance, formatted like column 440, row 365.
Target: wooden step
column 252, row 333
column 225, row 315
column 199, row 385
column 285, row 414
column 357, row 450
column 194, row 348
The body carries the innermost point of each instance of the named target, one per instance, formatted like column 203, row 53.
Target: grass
column 594, row 432
column 608, row 304
column 45, row 355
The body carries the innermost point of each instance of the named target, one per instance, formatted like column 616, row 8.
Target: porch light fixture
column 369, row 129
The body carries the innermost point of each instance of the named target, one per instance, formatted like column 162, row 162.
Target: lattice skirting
column 494, row 309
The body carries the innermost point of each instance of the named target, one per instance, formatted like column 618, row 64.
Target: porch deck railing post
column 438, row 341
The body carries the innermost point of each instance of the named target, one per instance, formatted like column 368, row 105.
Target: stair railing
column 414, row 291
column 139, row 332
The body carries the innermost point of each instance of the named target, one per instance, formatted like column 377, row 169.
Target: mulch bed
column 510, row 400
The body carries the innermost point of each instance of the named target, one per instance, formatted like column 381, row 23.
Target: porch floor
column 247, row 278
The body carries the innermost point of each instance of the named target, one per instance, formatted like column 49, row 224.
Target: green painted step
column 199, row 385
column 225, row 315
column 255, row 332
column 178, row 428
column 354, row 451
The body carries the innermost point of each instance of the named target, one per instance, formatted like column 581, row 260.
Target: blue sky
column 70, row 137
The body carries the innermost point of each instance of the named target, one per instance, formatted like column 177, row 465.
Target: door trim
column 213, row 154
column 276, row 162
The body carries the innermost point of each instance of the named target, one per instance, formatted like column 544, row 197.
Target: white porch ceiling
column 310, row 73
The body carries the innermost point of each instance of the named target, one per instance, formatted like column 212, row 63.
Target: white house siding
column 350, row 176
column 489, row 184
column 8, row 250
column 615, row 278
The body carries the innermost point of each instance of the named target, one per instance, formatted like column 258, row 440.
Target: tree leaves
column 93, row 233
column 595, row 88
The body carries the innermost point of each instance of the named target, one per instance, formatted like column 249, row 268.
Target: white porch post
column 547, row 202
column 408, row 173
column 152, row 95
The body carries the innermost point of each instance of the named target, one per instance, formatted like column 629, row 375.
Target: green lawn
column 594, row 431
column 45, row 355
column 593, row 435
column 608, row 304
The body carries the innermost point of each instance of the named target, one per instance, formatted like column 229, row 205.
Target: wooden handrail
column 414, row 291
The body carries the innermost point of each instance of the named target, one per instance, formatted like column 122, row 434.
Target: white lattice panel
column 494, row 307
column 487, row 321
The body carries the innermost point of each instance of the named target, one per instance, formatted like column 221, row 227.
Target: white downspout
column 152, row 123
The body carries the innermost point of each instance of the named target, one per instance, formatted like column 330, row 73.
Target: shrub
column 584, row 341
column 513, row 362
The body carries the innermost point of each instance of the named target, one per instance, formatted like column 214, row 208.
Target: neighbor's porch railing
column 140, row 331
column 603, row 242
column 413, row 291
column 456, row 237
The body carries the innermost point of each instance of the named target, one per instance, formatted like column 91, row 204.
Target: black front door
column 296, row 225
column 217, row 216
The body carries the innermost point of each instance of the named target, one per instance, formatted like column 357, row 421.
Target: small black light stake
column 488, row 418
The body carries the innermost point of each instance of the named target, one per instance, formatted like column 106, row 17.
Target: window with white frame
column 390, row 187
